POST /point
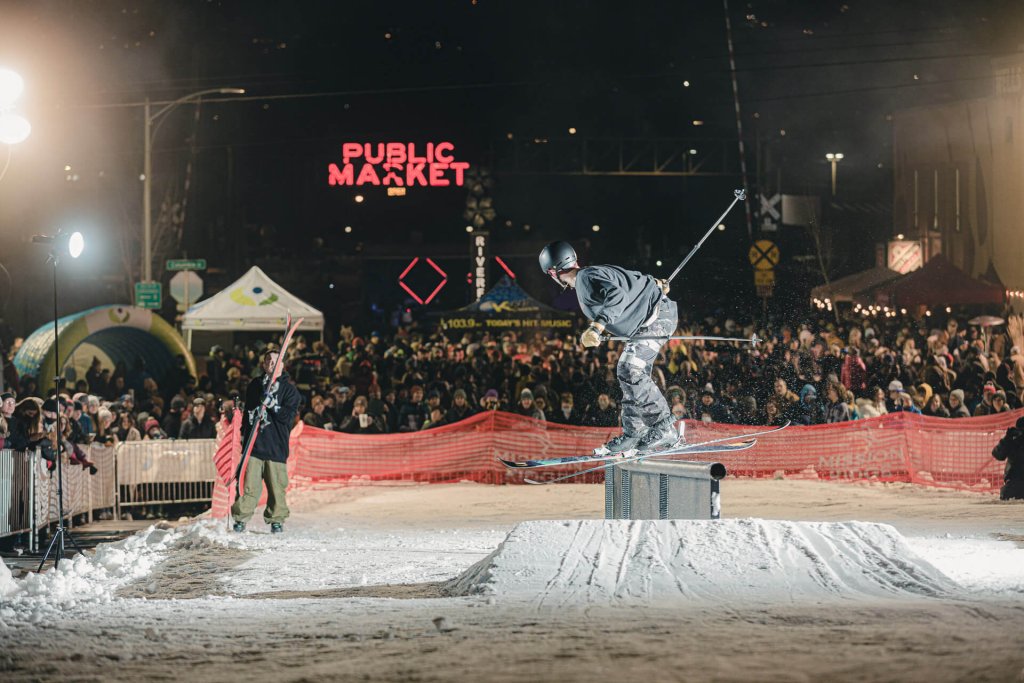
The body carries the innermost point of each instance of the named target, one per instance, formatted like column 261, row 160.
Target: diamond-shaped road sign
column 414, row 295
column 764, row 255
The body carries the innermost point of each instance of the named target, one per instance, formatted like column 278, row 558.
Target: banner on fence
column 897, row 447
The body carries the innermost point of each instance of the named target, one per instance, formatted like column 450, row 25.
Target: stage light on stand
column 72, row 244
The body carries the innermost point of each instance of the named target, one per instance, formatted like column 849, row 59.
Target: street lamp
column 834, row 158
column 149, row 132
column 71, row 244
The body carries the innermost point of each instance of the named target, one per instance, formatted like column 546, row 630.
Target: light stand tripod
column 57, row 542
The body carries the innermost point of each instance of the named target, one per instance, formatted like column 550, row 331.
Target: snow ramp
column 555, row 563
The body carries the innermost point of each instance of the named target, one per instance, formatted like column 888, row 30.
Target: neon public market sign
column 397, row 164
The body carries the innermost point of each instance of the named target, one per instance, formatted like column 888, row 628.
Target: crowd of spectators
column 811, row 373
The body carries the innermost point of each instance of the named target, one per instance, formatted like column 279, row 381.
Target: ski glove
column 592, row 335
column 663, row 284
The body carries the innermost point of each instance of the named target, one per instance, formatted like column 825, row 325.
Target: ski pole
column 739, row 195
column 754, row 340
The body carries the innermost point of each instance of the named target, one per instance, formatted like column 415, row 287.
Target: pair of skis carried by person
column 626, row 305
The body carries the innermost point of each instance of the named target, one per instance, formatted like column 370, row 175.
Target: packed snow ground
column 956, row 572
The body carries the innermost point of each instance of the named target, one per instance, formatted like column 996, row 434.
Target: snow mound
column 95, row 578
column 649, row 561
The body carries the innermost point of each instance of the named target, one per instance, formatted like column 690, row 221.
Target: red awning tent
column 937, row 283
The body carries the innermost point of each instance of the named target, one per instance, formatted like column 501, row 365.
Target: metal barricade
column 130, row 474
column 663, row 489
column 165, row 471
column 16, row 491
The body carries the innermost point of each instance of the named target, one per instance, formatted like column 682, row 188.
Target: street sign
column 186, row 288
column 764, row 255
column 770, row 208
column 148, row 295
column 764, row 277
column 186, row 264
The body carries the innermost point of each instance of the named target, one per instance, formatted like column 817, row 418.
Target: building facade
column 959, row 179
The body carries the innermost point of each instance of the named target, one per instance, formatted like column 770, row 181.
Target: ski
column 581, row 459
column 576, row 459
column 261, row 410
column 741, row 446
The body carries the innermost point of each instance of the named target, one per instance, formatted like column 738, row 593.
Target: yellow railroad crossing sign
column 764, row 255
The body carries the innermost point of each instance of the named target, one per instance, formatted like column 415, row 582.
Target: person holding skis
column 629, row 304
column 268, row 461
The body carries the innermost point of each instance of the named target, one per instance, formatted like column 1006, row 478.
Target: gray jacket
column 621, row 300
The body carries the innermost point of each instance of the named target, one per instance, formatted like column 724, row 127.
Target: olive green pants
column 275, row 474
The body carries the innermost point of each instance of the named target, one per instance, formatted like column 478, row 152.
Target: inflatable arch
column 114, row 333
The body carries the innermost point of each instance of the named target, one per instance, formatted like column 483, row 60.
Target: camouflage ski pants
column 643, row 404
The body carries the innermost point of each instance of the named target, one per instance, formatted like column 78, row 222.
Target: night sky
column 492, row 78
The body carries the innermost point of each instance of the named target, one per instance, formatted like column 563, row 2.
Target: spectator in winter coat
column 603, row 413
column 934, row 408
column 316, row 417
column 991, row 406
column 527, row 407
column 809, row 411
column 893, row 402
column 491, row 400
column 775, row 412
column 746, row 411
column 710, row 410
column 171, row 424
column 905, row 404
column 956, row 404
column 460, row 410
column 999, row 403
column 938, row 376
column 198, row 425
column 566, row 414
column 854, row 374
column 436, row 418
column 413, row 413
column 126, row 429
column 1011, row 450
column 152, row 431
column 873, row 405
column 984, row 406
column 836, row 410
column 784, row 395
column 26, row 428
column 361, row 421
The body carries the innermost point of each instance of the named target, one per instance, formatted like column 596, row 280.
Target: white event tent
column 254, row 302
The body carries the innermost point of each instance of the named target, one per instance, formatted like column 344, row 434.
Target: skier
column 628, row 304
column 268, row 462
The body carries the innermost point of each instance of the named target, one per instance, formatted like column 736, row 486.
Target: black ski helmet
column 556, row 258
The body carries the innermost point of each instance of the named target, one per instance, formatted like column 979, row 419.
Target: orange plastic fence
column 898, row 447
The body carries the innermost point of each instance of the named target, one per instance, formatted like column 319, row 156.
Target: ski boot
column 239, row 527
column 276, row 528
column 623, row 446
column 660, row 436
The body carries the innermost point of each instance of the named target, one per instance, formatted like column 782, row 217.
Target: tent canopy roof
column 938, row 282
column 252, row 302
column 508, row 297
column 846, row 288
